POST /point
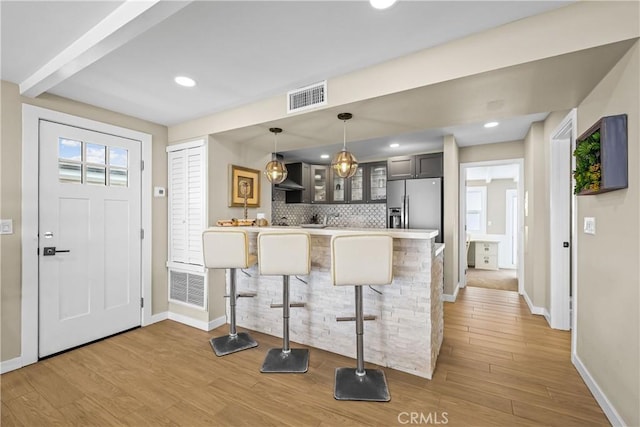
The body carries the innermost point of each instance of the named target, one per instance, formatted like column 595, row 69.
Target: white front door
column 89, row 236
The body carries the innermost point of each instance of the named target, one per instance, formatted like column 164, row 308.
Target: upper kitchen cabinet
column 402, row 167
column 368, row 185
column 357, row 186
column 319, row 183
column 377, row 180
column 429, row 165
column 419, row 166
column 338, row 189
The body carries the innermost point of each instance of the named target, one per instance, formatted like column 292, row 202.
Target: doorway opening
column 31, row 240
column 491, row 219
column 563, row 232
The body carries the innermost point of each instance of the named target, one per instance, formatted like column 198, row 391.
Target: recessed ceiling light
column 185, row 81
column 394, row 145
column 324, row 156
column 491, row 124
column 382, row 4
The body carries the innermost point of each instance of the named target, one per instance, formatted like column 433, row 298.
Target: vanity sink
column 313, row 225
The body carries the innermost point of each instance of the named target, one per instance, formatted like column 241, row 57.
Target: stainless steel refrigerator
column 415, row 203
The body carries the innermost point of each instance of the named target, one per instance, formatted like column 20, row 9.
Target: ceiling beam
column 128, row 21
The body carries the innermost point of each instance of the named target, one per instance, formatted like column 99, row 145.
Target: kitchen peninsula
column 407, row 332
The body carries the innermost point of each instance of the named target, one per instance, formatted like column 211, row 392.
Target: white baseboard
column 189, row 321
column 200, row 324
column 547, row 316
column 11, row 365
column 216, row 323
column 449, row 297
column 159, row 317
column 534, row 310
column 614, row 417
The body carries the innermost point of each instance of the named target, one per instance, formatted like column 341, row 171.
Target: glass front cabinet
column 377, row 177
column 319, row 183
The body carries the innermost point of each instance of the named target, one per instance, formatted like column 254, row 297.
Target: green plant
column 587, row 173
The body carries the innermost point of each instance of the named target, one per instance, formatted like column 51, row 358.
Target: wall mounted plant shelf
column 601, row 157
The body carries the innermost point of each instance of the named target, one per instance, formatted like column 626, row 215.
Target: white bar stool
column 358, row 260
column 225, row 248
column 285, row 253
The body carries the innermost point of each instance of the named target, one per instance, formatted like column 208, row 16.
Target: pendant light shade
column 344, row 163
column 275, row 170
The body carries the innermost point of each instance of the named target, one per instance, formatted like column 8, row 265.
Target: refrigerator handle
column 406, row 212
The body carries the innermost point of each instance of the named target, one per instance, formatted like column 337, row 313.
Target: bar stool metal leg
column 360, row 384
column 235, row 341
column 286, row 360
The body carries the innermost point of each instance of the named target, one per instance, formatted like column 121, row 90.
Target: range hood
column 288, row 185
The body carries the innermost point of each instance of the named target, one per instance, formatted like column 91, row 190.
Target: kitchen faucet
column 330, row 215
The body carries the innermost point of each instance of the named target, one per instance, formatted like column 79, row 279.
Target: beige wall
column 487, row 152
column 608, row 325
column 11, row 199
column 451, row 217
column 536, row 220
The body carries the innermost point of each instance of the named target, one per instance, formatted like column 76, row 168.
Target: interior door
column 89, row 236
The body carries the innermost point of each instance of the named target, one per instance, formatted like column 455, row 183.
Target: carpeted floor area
column 492, row 279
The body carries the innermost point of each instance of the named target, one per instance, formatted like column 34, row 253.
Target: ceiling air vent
column 307, row 97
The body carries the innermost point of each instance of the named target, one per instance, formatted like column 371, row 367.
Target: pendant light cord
column 344, row 136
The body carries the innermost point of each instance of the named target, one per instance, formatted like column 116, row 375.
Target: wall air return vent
column 307, row 97
column 187, row 288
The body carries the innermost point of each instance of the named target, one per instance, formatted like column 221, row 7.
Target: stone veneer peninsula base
column 408, row 330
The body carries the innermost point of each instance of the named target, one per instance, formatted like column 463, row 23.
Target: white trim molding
column 534, row 310
column 159, row 317
column 11, row 365
column 449, row 297
column 198, row 324
column 607, row 407
column 31, row 117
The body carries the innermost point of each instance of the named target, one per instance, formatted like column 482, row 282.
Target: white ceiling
column 243, row 51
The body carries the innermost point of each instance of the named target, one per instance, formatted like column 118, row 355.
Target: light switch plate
column 159, row 192
column 6, row 226
column 589, row 225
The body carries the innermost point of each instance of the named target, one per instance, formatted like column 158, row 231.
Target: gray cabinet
column 419, row 166
column 402, row 167
column 429, row 165
column 376, row 188
column 319, row 183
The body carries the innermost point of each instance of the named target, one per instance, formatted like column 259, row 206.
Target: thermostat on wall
column 159, row 192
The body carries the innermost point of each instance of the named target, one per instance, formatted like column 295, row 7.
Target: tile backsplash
column 365, row 215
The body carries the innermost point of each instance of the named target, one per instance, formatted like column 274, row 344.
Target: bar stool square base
column 227, row 344
column 371, row 387
column 294, row 362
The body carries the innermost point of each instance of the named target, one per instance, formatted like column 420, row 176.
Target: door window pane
column 69, row 149
column 70, row 172
column 118, row 177
column 118, row 157
column 96, row 175
column 96, row 153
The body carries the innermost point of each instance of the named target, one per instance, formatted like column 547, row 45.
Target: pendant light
column 275, row 171
column 344, row 163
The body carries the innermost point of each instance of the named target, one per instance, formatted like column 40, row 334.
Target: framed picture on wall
column 244, row 182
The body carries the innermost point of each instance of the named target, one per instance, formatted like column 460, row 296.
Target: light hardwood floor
column 499, row 365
